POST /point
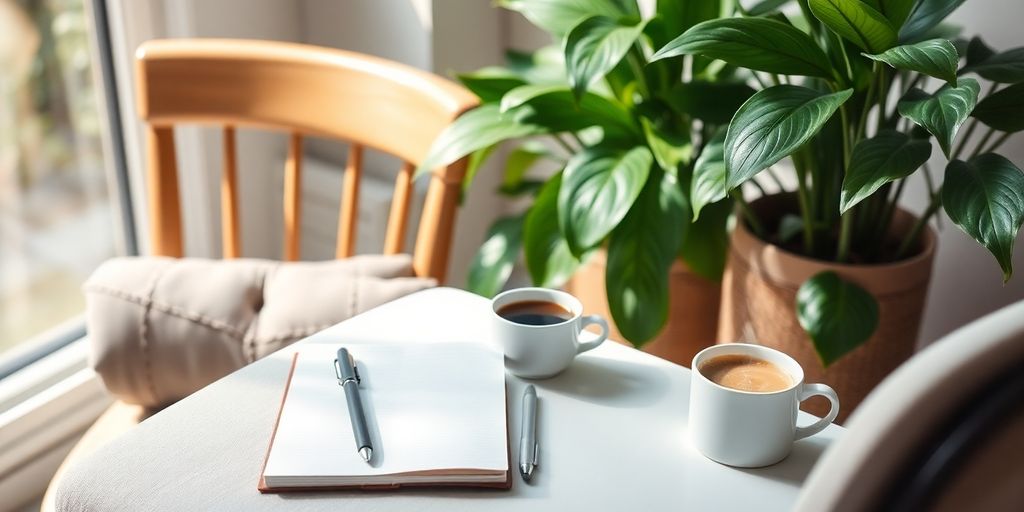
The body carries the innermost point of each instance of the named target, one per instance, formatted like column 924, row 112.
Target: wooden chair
column 302, row 91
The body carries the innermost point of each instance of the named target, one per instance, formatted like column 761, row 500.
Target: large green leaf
column 708, row 184
column 935, row 57
column 555, row 108
column 544, row 66
column 1003, row 67
column 490, row 84
column 493, row 263
column 756, row 43
column 884, row 158
column 1003, row 110
column 669, row 147
column 857, row 22
column 773, row 123
column 558, row 17
column 711, row 102
column 706, row 241
column 673, row 17
column 941, row 113
column 977, row 52
column 925, row 16
column 547, row 255
column 838, row 315
column 598, row 188
column 640, row 252
column 594, row 47
column 985, row 197
column 896, row 11
column 477, row 129
column 476, row 159
column 520, row 160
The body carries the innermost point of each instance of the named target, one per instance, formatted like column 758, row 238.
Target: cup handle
column 809, row 390
column 592, row 320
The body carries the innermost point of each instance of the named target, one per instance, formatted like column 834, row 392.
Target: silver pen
column 528, row 434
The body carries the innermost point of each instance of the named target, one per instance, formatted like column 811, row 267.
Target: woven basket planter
column 759, row 306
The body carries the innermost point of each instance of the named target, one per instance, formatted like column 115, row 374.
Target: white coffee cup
column 541, row 351
column 751, row 429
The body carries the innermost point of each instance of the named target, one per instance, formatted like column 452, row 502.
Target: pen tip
column 527, row 471
column 366, row 452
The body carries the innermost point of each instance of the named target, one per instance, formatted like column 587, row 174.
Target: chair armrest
column 119, row 418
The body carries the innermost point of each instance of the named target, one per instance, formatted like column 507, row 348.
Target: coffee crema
column 746, row 373
column 534, row 312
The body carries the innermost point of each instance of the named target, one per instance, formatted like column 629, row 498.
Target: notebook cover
column 264, row 488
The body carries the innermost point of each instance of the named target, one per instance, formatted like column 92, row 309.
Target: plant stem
column 932, row 189
column 868, row 102
column 811, row 20
column 759, row 80
column 757, row 185
column 999, row 142
column 887, row 213
column 984, row 141
column 749, row 214
column 845, row 226
column 805, row 206
column 965, row 137
column 775, row 178
column 928, row 178
column 922, row 221
column 577, row 139
column 913, row 83
column 565, row 144
column 883, row 99
column 846, row 58
column 774, row 78
column 638, row 70
column 846, row 138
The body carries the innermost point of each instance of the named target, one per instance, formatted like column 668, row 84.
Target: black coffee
column 534, row 312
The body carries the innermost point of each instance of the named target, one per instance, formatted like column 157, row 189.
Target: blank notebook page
column 432, row 408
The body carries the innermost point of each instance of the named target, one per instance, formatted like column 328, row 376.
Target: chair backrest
column 945, row 431
column 301, row 90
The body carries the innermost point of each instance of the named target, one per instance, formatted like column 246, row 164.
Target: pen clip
column 342, row 380
column 536, row 459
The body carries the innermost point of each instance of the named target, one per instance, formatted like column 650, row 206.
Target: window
column 59, row 190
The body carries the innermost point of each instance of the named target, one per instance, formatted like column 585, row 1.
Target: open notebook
column 436, row 414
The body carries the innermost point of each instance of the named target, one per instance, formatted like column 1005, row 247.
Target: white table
column 205, row 452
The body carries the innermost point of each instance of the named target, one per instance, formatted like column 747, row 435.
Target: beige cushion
column 161, row 328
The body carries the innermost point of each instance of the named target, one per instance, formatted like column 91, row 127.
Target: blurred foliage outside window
column 56, row 221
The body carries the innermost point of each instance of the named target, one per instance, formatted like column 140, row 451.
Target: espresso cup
column 746, row 428
column 541, row 351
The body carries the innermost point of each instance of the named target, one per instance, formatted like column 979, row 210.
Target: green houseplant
column 853, row 92
column 626, row 134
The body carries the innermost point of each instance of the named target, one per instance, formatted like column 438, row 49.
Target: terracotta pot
column 759, row 305
column 692, row 314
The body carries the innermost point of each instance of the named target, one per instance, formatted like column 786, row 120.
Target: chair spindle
column 162, row 179
column 230, row 244
column 293, row 198
column 349, row 211
column 398, row 219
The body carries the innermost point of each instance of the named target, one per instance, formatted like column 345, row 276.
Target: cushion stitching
column 144, row 345
column 150, row 303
